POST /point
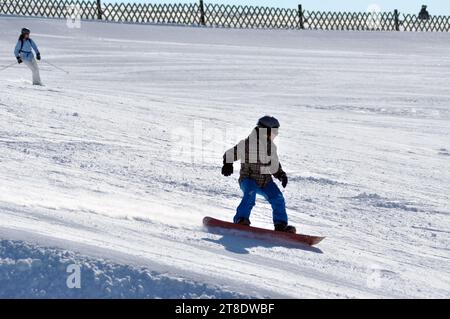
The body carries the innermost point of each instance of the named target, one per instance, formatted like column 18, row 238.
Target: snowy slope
column 92, row 162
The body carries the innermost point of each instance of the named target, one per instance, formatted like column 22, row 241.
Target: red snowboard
column 261, row 232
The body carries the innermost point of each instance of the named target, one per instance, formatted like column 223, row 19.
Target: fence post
column 300, row 17
column 99, row 10
column 397, row 21
column 202, row 13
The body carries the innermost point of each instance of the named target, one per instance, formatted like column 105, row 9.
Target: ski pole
column 56, row 67
column 7, row 66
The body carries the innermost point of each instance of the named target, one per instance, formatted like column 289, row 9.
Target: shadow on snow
column 240, row 242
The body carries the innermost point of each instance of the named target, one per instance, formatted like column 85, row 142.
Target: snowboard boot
column 243, row 221
column 284, row 227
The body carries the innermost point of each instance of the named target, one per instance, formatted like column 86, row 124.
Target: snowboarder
column 259, row 162
column 424, row 14
column 23, row 53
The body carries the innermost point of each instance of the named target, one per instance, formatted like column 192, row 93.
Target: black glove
column 283, row 179
column 227, row 169
column 38, row 56
column 19, row 60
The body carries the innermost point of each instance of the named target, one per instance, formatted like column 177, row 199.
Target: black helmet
column 25, row 30
column 268, row 122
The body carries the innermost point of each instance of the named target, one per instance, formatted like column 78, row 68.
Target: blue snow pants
column 270, row 192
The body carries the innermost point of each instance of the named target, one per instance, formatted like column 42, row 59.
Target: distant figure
column 423, row 14
column 24, row 53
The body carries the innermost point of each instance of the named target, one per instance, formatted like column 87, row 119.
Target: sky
column 436, row 7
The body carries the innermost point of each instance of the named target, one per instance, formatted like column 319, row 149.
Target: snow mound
column 29, row 271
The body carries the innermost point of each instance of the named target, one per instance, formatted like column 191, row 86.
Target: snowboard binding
column 283, row 227
column 243, row 221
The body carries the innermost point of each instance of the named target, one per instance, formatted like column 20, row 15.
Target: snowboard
column 210, row 222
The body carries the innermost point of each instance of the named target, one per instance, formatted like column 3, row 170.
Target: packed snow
column 30, row 271
column 115, row 161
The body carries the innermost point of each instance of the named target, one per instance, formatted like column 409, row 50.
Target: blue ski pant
column 270, row 192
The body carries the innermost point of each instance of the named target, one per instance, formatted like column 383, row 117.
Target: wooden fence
column 227, row 16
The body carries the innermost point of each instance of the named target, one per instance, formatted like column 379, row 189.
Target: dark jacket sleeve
column 279, row 173
column 235, row 153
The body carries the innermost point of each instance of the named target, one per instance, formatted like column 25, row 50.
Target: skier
column 23, row 53
column 259, row 161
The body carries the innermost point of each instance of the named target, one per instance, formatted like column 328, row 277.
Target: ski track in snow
column 86, row 166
